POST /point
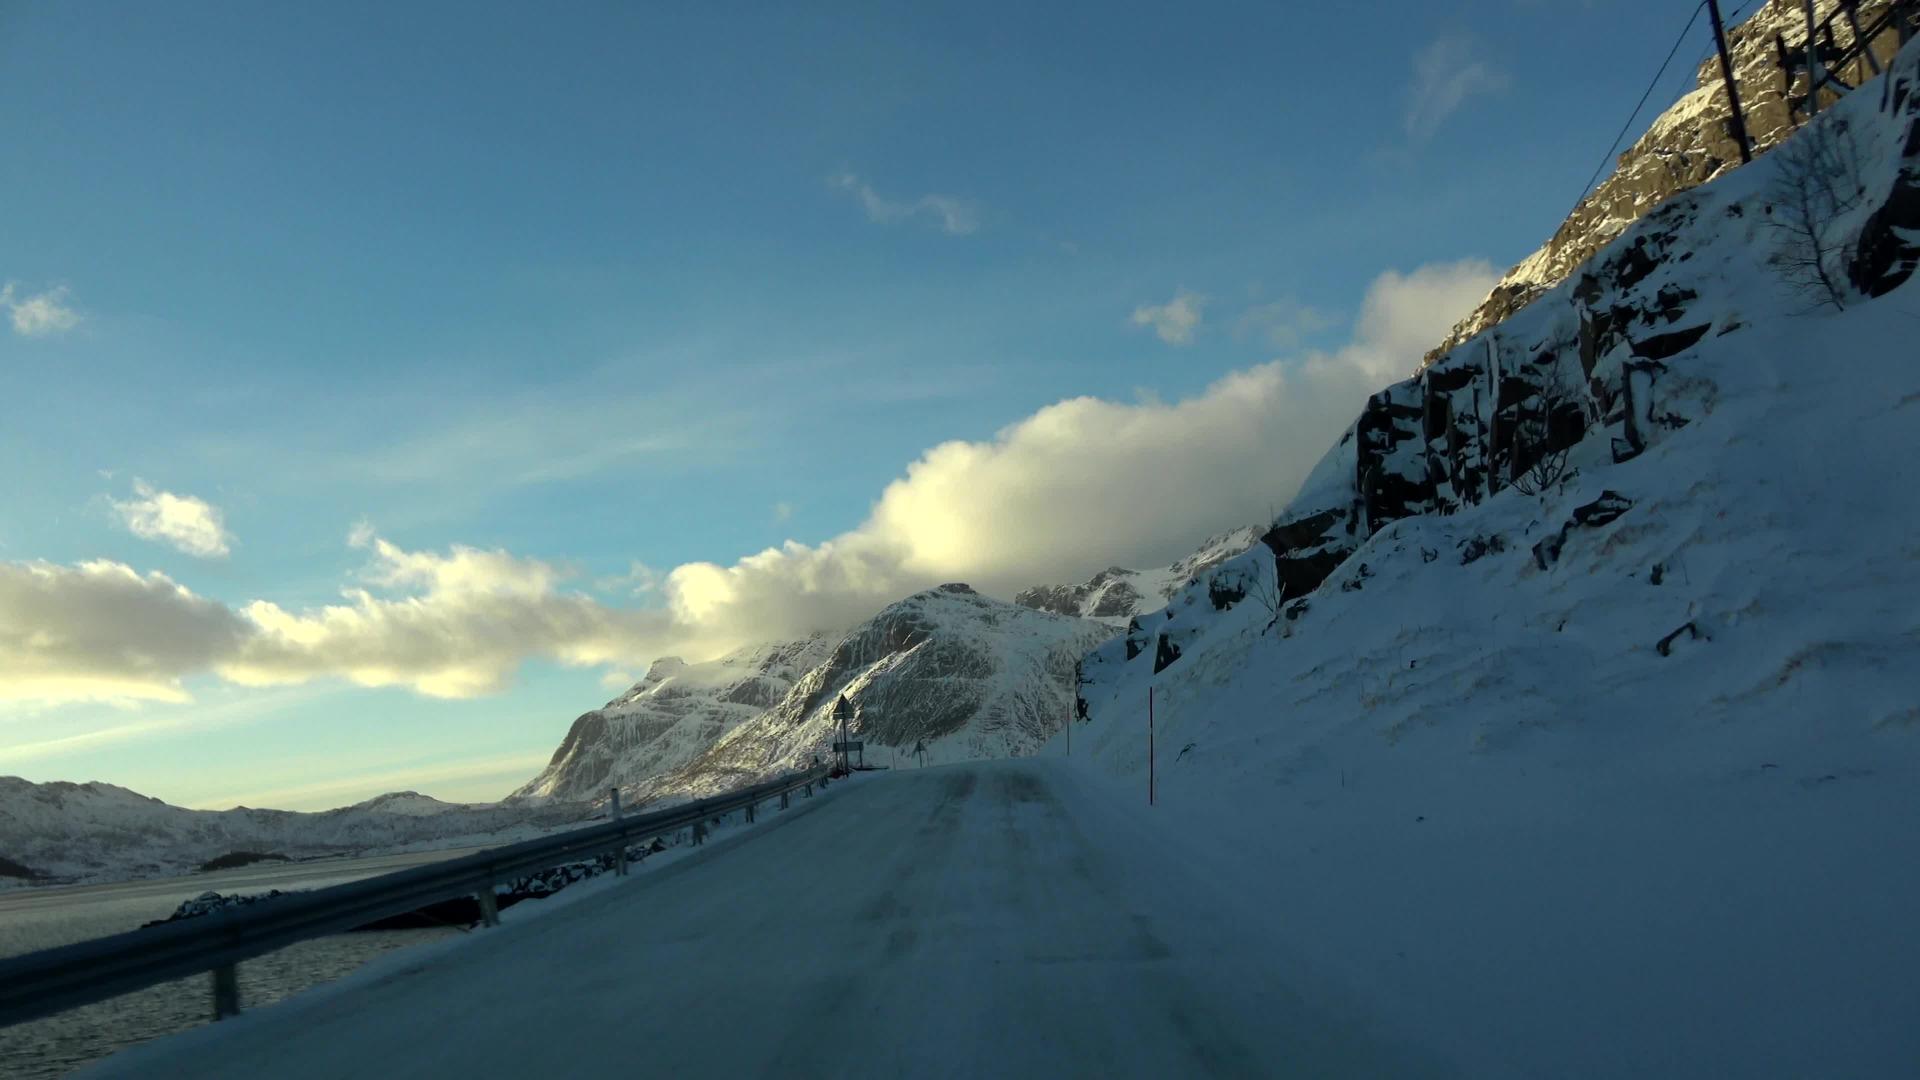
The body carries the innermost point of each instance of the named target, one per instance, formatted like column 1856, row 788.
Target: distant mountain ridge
column 99, row 831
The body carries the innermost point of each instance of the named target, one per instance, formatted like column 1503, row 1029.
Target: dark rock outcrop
column 9, row 868
column 234, row 859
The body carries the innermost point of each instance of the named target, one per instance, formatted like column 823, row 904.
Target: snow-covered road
column 983, row 919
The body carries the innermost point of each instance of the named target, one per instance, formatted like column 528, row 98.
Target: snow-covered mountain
column 100, row 831
column 656, row 738
column 962, row 674
column 671, row 717
column 1689, row 144
column 1613, row 753
column 1116, row 594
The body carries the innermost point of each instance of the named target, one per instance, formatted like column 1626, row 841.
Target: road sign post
column 619, row 853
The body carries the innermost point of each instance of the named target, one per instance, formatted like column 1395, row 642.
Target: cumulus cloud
column 103, row 631
column 1404, row 315
column 1086, row 482
column 452, row 625
column 42, row 314
column 1076, row 486
column 1176, row 320
column 182, row 522
column 954, row 216
column 1445, row 74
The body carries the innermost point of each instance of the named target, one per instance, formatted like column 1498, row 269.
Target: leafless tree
column 1268, row 592
column 1816, row 181
column 1535, row 433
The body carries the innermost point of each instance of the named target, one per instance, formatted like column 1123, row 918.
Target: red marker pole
column 1149, row 746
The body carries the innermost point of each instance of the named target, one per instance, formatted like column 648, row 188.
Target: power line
column 1624, row 128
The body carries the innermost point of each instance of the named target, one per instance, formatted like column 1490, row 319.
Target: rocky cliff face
column 1689, row 144
column 963, row 674
column 1594, row 374
column 1116, row 594
column 671, row 717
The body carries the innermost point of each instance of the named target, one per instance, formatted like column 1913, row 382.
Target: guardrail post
column 226, row 991
column 489, row 907
column 783, row 799
column 699, row 832
column 809, row 789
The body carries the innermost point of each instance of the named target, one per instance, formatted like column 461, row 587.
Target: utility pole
column 1733, row 92
column 1813, row 71
column 1150, row 746
column 620, row 855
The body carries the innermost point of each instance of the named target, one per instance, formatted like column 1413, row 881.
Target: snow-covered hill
column 962, row 674
column 98, row 831
column 1116, row 594
column 1614, row 776
column 671, row 717
column 1686, row 146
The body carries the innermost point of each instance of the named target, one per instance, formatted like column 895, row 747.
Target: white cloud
column 1086, row 482
column 458, row 625
column 1281, row 324
column 1076, row 486
column 1445, row 74
column 1176, row 320
column 1404, row 315
column 639, row 580
column 955, row 216
column 102, row 631
column 43, row 314
column 783, row 511
column 183, row 522
column 614, row 682
column 451, row 625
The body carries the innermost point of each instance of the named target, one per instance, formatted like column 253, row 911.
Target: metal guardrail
column 53, row 980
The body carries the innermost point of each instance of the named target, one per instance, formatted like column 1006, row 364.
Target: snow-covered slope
column 1618, row 778
column 1686, row 145
column 98, row 831
column 962, row 674
column 1116, row 594
column 671, row 717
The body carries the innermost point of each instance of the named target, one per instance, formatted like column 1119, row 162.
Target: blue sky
column 469, row 309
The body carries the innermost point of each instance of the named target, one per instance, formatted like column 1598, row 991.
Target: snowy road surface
column 983, row 919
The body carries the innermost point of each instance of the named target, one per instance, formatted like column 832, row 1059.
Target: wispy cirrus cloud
column 185, row 523
column 955, row 216
column 1447, row 72
column 1280, row 324
column 639, row 580
column 1177, row 320
column 42, row 314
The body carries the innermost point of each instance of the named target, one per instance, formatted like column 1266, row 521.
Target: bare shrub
column 1816, row 181
column 1536, row 433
